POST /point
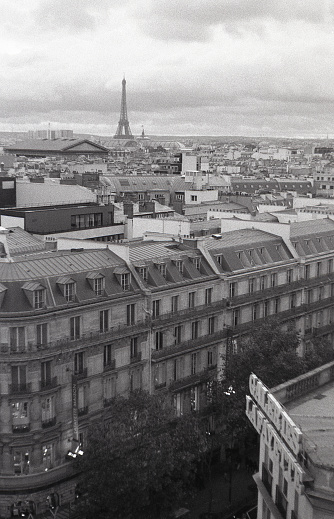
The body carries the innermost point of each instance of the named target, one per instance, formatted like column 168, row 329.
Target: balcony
column 30, row 483
column 83, row 410
column 267, row 479
column 188, row 313
column 45, row 385
column 19, row 389
column 191, row 380
column 21, row 428
column 189, row 345
column 136, row 358
column 110, row 366
column 79, row 375
column 49, row 423
column 160, row 385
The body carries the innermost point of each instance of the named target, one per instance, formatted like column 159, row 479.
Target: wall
column 138, row 226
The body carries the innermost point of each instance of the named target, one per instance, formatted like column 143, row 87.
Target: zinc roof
column 309, row 227
column 239, row 238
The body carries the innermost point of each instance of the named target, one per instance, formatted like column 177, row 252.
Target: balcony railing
column 15, row 389
column 191, row 380
column 136, row 358
column 49, row 423
column 83, row 410
column 48, row 384
column 21, row 428
column 78, row 375
column 190, row 344
column 189, row 313
column 110, row 365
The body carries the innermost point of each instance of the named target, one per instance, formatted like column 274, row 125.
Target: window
column 307, row 272
column 159, row 340
column 17, row 339
column 175, row 304
column 318, row 268
column 277, row 304
column 194, row 361
column 193, row 198
column 125, row 281
column 235, row 317
column 46, row 378
column 210, row 358
column 263, row 282
column 41, row 334
column 233, row 289
column 48, row 409
column 255, row 311
column 330, row 266
column 208, row 296
column 197, row 263
column 273, row 280
column 133, row 347
column 156, row 308
column 178, row 368
column 251, row 285
column 143, row 273
column 178, row 404
column 20, row 415
column 135, row 379
column 211, row 325
column 162, row 268
column 107, row 355
column 178, row 334
column 109, row 389
column 309, row 296
column 39, row 300
column 69, row 291
column 104, row 320
column 321, row 293
column 79, row 363
column 99, row 286
column 265, row 308
column 289, row 276
column 75, row 328
column 191, row 299
column 194, row 330
column 19, row 377
column 48, row 456
column 219, row 260
column 293, row 300
column 130, row 314
column 179, row 266
column 160, row 375
column 21, row 461
column 194, row 398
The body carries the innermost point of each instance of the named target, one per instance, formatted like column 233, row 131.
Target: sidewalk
column 241, row 490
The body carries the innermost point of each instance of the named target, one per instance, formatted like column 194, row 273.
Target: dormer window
column 197, row 263
column 125, row 281
column 35, row 293
column 69, row 291
column 97, row 282
column 179, row 266
column 162, row 268
column 67, row 287
column 143, row 272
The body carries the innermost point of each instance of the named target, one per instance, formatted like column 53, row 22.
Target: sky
column 193, row 67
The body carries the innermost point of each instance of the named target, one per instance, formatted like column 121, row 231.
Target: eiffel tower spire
column 123, row 129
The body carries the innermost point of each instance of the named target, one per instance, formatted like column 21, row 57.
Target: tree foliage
column 140, row 462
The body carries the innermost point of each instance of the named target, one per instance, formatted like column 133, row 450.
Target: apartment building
column 90, row 320
column 296, row 464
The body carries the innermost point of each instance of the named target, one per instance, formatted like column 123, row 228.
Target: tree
column 268, row 351
column 141, row 461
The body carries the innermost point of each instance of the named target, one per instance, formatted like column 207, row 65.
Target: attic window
column 142, row 271
column 69, row 291
column 125, row 281
column 97, row 282
column 197, row 262
column 219, row 259
column 179, row 266
column 35, row 292
column 162, row 268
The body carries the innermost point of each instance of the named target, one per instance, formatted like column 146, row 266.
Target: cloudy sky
column 193, row 67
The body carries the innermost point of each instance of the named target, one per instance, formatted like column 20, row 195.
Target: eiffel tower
column 123, row 129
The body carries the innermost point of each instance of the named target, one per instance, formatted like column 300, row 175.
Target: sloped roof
column 21, row 242
column 55, row 145
column 309, row 227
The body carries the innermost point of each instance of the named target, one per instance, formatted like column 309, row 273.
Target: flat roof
column 314, row 414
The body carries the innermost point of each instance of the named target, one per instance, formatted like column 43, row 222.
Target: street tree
column 140, row 462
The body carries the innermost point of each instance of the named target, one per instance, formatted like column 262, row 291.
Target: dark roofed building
column 57, row 147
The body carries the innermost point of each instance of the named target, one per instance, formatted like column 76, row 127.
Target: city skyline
column 211, row 67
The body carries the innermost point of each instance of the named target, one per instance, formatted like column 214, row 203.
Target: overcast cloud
column 251, row 67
